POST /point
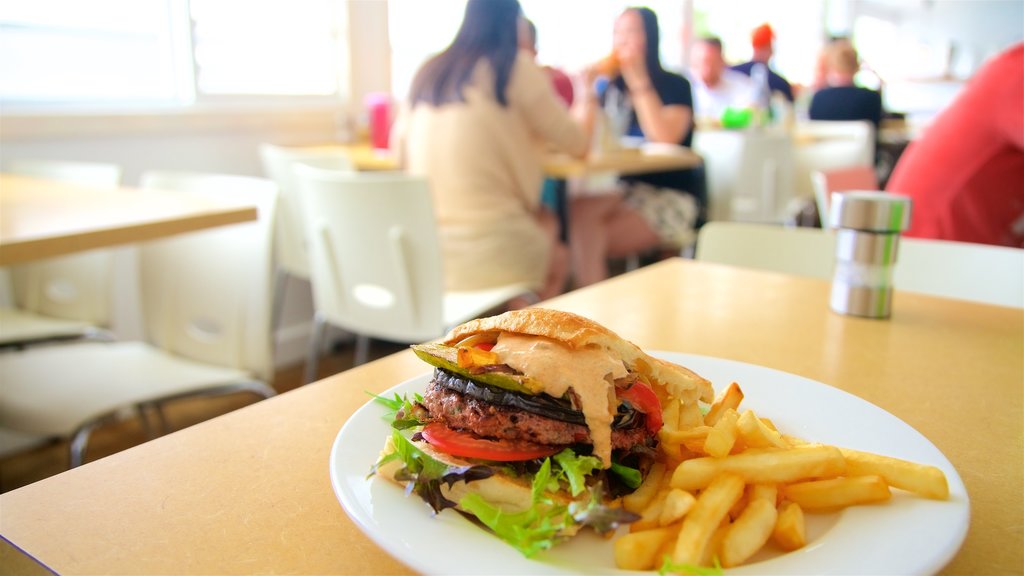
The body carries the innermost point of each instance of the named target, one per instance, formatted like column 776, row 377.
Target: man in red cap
column 761, row 40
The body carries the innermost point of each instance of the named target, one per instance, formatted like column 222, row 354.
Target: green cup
column 737, row 118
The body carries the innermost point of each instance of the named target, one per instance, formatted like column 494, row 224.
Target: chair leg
column 78, row 443
column 313, row 356
column 632, row 262
column 280, row 283
column 143, row 416
column 362, row 350
column 161, row 418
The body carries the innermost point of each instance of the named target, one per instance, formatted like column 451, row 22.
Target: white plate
column 907, row 535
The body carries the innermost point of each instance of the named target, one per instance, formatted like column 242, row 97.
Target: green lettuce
column 401, row 413
column 425, row 475
column 543, row 524
column 547, row 522
column 575, row 468
column 668, row 567
column 537, row 528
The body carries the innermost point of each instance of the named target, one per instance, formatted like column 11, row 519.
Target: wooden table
column 625, row 162
column 249, row 492
column 559, row 167
column 45, row 218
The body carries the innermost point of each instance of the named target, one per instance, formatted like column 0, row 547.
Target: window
column 52, row 51
column 96, row 52
column 288, row 47
column 570, row 33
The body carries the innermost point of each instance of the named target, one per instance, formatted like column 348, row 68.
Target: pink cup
column 378, row 107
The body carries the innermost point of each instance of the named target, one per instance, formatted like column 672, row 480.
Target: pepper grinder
column 868, row 226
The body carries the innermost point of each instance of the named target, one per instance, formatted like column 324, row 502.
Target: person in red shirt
column 965, row 174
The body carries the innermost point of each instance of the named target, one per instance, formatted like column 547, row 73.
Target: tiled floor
column 44, row 461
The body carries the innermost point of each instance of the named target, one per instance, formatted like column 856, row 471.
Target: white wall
column 961, row 33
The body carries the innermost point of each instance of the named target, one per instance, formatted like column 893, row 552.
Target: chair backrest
column 376, row 259
column 822, row 145
column 77, row 286
column 92, row 173
column 290, row 248
column 206, row 294
column 749, row 174
column 967, row 271
column 960, row 270
column 721, row 150
column 799, row 251
column 827, row 182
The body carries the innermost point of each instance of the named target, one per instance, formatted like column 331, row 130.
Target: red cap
column 762, row 36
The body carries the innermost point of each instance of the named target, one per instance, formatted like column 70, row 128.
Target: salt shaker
column 868, row 227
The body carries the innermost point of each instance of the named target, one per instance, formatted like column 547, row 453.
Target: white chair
column 65, row 297
column 962, row 270
column 290, row 250
column 800, row 251
column 821, row 145
column 959, row 270
column 827, row 182
column 749, row 173
column 206, row 301
column 376, row 261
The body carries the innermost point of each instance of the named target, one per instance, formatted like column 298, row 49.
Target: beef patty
column 463, row 412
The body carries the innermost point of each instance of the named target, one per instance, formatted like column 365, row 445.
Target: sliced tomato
column 485, row 346
column 458, row 443
column 642, row 397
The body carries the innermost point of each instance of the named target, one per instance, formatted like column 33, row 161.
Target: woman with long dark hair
column 657, row 209
column 475, row 122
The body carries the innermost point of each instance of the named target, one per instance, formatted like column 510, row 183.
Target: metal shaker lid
column 871, row 211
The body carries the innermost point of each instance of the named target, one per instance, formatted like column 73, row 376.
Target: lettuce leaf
column 538, row 528
column 401, row 414
column 668, row 567
column 531, row 531
column 595, row 514
column 547, row 522
column 575, row 469
column 424, row 475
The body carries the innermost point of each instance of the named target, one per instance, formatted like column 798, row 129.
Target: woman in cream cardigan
column 475, row 123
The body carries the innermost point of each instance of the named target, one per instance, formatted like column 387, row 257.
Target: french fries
column 836, row 493
column 711, row 508
column 677, row 504
column 790, row 532
column 649, row 488
column 644, row 550
column 749, row 532
column 762, row 466
column 927, row 481
column 731, row 398
column 722, row 437
column 756, row 434
column 729, row 484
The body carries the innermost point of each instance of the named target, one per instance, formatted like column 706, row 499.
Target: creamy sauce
column 589, row 372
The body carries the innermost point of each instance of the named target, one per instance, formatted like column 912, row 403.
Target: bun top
column 577, row 332
column 570, row 329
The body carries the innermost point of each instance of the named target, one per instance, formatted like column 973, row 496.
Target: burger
column 533, row 423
